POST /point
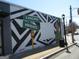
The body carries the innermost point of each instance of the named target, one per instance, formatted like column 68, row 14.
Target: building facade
column 22, row 29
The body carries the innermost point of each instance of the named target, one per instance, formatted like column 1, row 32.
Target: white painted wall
column 14, row 8
column 47, row 31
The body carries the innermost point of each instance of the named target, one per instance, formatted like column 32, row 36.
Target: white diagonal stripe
column 17, row 33
column 43, row 17
column 23, row 47
column 51, row 19
column 19, row 14
column 32, row 14
column 13, row 42
column 39, row 17
column 19, row 22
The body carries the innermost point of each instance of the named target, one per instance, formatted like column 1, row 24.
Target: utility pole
column 72, row 33
column 71, row 13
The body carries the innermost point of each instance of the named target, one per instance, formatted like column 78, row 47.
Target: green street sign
column 31, row 22
column 31, row 18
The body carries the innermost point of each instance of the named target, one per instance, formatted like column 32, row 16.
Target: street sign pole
column 32, row 36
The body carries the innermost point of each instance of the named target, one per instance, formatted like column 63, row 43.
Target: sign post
column 32, row 36
column 33, row 23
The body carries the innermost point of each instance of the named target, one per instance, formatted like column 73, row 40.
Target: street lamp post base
column 68, row 51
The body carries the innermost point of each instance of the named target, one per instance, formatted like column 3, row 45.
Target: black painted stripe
column 36, row 33
column 49, row 19
column 37, row 16
column 18, row 11
column 38, row 39
column 15, row 37
column 30, row 42
column 30, row 12
column 44, row 15
column 53, row 19
column 20, row 29
column 21, row 17
column 52, row 41
column 21, row 41
column 41, row 17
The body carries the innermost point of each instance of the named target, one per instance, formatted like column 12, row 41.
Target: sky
column 52, row 7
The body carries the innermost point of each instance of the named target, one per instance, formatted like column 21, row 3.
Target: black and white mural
column 21, row 37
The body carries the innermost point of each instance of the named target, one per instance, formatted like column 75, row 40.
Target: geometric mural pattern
column 21, row 37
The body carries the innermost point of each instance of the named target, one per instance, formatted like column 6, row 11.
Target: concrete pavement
column 73, row 55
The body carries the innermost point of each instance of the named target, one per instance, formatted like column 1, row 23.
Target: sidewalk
column 64, row 55
column 44, row 54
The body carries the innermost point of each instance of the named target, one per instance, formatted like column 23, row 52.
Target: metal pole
column 66, row 44
column 32, row 36
column 72, row 34
column 70, row 13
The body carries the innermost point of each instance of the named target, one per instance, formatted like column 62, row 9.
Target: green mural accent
column 58, row 30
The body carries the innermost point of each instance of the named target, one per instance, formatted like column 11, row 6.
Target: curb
column 49, row 55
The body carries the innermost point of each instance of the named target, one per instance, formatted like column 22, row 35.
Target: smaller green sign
column 31, row 22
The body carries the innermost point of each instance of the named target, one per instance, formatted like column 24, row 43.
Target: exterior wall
column 5, row 30
column 21, row 37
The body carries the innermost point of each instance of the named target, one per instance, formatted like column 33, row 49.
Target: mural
column 46, row 33
column 21, row 37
